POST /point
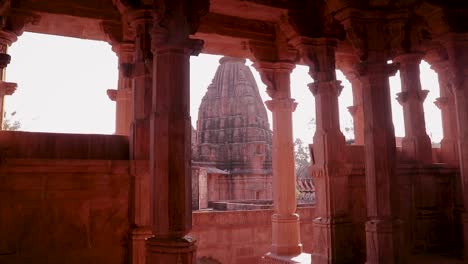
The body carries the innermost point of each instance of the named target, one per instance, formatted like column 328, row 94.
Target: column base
column 138, row 238
column 418, row 149
column 464, row 216
column 171, row 250
column 286, row 235
column 385, row 242
column 333, row 241
column 271, row 258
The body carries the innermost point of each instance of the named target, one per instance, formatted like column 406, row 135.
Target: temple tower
column 233, row 132
column 233, row 135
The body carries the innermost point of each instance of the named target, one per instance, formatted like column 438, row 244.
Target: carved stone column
column 416, row 144
column 141, row 23
column 384, row 231
column 6, row 39
column 348, row 63
column 446, row 103
column 285, row 221
column 170, row 140
column 123, row 94
column 329, row 169
column 457, row 47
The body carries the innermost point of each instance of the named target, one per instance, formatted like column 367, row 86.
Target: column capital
column 442, row 102
column 319, row 55
column 408, row 58
column 348, row 64
column 333, row 87
column 112, row 94
column 380, row 68
column 124, row 50
column 273, row 75
column 286, row 104
column 7, row 38
column 7, row 88
column 404, row 97
column 352, row 110
column 192, row 47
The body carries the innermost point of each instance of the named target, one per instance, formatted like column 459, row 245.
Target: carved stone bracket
column 271, row 74
column 112, row 94
column 334, row 87
column 388, row 69
column 404, row 97
column 352, row 110
column 442, row 102
column 281, row 104
column 7, row 88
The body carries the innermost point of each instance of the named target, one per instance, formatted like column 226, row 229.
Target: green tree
column 301, row 154
column 9, row 123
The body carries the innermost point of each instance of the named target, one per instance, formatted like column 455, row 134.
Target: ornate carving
column 18, row 19
column 281, row 104
column 334, row 87
column 113, row 31
column 174, row 27
column 442, row 102
column 4, row 60
column 403, row 97
column 7, row 88
column 112, row 94
column 362, row 27
column 271, row 74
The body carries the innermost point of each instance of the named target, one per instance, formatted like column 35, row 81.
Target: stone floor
column 429, row 259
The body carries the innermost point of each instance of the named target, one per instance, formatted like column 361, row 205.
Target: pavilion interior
column 126, row 198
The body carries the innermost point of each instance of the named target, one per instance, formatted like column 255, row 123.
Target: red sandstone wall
column 242, row 237
column 63, row 211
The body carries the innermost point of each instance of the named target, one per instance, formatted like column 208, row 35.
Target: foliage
column 301, row 154
column 9, row 124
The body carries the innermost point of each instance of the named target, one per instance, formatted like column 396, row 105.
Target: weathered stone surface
column 232, row 129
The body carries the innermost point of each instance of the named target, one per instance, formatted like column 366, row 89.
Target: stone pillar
column 384, row 232
column 6, row 39
column 285, row 221
column 446, row 104
column 123, row 95
column 416, row 144
column 6, row 88
column 141, row 22
column 457, row 47
column 347, row 63
column 332, row 234
column 170, row 144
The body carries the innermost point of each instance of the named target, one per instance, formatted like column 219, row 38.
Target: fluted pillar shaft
column 170, row 145
column 446, row 104
column 285, row 221
column 384, row 232
column 456, row 46
column 348, row 63
column 416, row 144
column 141, row 90
column 141, row 21
column 329, row 168
column 123, row 94
column 6, row 39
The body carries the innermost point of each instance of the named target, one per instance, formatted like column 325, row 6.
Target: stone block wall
column 63, row 211
column 240, row 237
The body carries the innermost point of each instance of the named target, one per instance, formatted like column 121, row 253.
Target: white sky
column 62, row 85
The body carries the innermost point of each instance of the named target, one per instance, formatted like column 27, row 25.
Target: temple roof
column 232, row 127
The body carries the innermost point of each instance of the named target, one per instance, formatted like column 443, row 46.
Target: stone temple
column 233, row 134
column 127, row 198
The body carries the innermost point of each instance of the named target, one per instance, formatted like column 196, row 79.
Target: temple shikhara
column 162, row 191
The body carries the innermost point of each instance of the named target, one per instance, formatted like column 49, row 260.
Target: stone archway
column 207, row 260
